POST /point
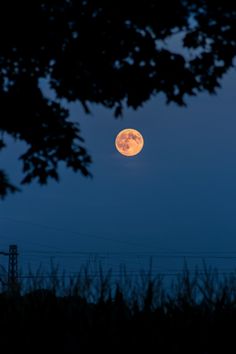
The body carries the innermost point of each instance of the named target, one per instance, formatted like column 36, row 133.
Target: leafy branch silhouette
column 102, row 52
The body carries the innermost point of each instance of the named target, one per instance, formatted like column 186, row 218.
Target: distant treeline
column 195, row 315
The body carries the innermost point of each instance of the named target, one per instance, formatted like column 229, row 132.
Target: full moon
column 129, row 142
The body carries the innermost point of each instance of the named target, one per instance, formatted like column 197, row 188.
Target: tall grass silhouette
column 93, row 312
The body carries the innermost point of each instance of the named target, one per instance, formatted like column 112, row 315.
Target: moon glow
column 129, row 142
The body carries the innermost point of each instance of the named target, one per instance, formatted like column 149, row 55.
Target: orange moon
column 129, row 142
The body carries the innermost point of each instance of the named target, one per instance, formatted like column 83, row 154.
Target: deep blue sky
column 178, row 195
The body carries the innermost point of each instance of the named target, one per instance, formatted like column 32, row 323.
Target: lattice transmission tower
column 12, row 281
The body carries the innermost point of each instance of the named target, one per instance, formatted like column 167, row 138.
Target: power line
column 117, row 274
column 128, row 254
column 89, row 235
column 173, row 253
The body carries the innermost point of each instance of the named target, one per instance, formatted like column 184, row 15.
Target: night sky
column 176, row 198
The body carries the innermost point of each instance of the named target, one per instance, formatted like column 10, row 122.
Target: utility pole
column 12, row 283
column 13, row 269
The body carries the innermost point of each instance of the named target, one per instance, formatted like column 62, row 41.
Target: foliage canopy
column 112, row 53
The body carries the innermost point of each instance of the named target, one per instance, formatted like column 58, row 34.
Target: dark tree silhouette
column 112, row 53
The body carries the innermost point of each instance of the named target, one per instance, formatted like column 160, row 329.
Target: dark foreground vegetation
column 93, row 313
